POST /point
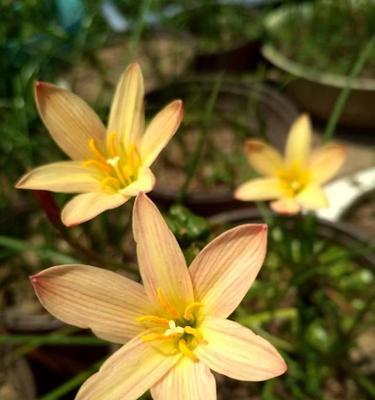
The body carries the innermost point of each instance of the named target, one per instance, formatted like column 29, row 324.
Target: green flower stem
column 277, row 342
column 265, row 212
column 266, row 316
column 360, row 316
column 365, row 383
column 196, row 156
column 344, row 95
column 71, row 383
column 137, row 32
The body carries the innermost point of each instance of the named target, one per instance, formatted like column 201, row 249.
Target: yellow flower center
column 295, row 179
column 179, row 331
column 115, row 166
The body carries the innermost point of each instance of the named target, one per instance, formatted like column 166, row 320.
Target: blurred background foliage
column 314, row 297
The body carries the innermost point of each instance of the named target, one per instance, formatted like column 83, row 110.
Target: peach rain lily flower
column 293, row 182
column 174, row 328
column 108, row 165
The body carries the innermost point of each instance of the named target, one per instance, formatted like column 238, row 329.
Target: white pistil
column 113, row 161
column 295, row 185
column 173, row 329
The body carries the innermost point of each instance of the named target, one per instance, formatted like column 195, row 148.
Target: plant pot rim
column 343, row 233
column 276, row 101
column 272, row 54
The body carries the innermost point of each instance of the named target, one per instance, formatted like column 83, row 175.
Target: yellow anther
column 185, row 350
column 153, row 319
column 167, row 307
column 95, row 151
column 151, row 337
column 112, row 144
column 134, row 157
column 97, row 164
column 189, row 309
column 193, row 331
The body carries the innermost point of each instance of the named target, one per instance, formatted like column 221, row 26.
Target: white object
column 343, row 192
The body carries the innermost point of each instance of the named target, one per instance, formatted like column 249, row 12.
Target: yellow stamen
column 155, row 336
column 193, row 331
column 128, row 171
column 111, row 182
column 97, row 164
column 96, row 152
column 112, row 144
column 115, row 164
column 154, row 319
column 185, row 350
column 189, row 310
column 133, row 157
column 168, row 307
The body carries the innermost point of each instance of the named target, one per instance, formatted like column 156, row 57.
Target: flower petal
column 88, row 205
column 225, row 269
column 326, row 161
column 161, row 262
column 188, row 380
column 126, row 118
column 312, row 197
column 128, row 373
column 160, row 130
column 237, row 352
column 90, row 297
column 287, row 206
column 144, row 183
column 261, row 189
column 65, row 177
column 69, row 120
column 263, row 158
column 298, row 145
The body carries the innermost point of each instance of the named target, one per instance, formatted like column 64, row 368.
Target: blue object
column 71, row 14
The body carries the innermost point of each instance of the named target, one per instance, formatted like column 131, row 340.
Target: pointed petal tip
column 343, row 148
column 304, row 117
column 68, row 223
column 179, row 105
column 253, row 145
column 182, row 108
column 18, row 184
column 134, row 65
column 281, row 368
column 34, row 280
column 133, row 68
column 41, row 85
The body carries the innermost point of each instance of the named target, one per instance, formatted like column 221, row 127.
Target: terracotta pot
column 317, row 92
column 319, row 322
column 214, row 51
column 273, row 110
